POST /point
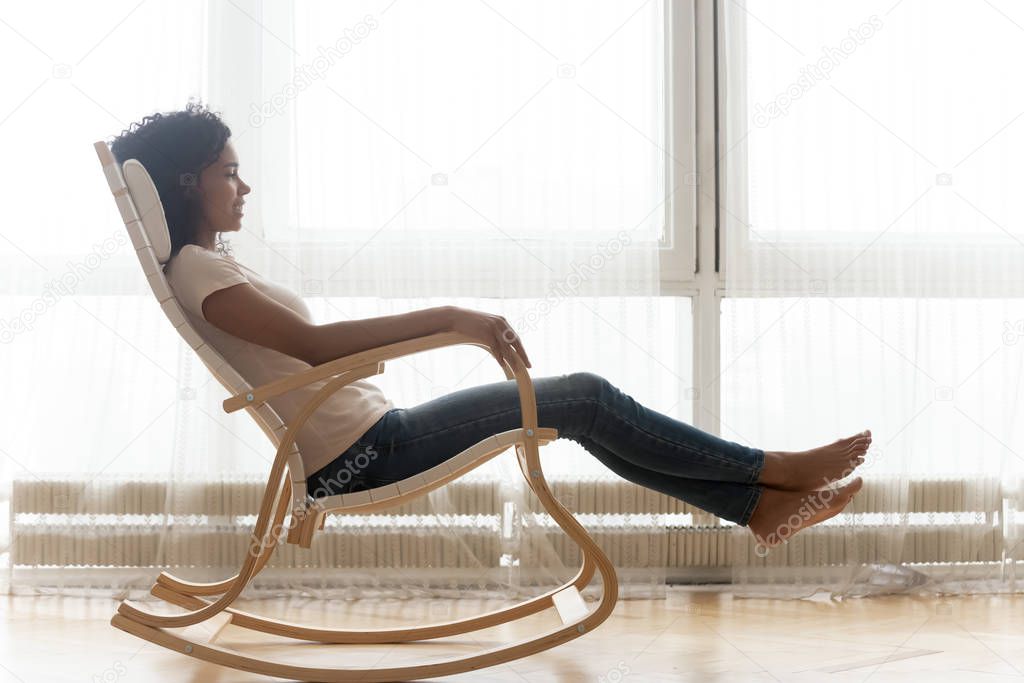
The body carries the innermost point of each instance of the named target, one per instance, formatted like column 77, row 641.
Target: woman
column 266, row 332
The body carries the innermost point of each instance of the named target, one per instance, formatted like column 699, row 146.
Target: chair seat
column 435, row 477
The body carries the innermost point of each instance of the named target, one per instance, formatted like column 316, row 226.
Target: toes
column 848, row 490
column 840, row 506
column 859, row 438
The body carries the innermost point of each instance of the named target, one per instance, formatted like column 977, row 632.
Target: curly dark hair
column 175, row 147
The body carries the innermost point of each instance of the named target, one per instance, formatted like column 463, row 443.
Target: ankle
column 774, row 470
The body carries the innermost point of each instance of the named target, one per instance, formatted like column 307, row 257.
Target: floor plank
column 690, row 636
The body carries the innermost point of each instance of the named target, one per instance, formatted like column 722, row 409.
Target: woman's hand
column 492, row 330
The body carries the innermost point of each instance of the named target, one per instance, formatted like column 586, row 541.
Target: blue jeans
column 639, row 444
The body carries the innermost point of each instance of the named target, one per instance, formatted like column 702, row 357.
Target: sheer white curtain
column 507, row 157
column 873, row 251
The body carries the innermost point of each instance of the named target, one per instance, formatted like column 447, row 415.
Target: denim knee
column 588, row 383
column 587, row 391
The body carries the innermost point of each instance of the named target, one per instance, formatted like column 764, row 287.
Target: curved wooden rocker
column 208, row 605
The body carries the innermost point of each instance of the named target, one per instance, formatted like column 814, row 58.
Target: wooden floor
column 687, row 637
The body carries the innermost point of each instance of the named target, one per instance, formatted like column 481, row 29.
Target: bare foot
column 780, row 514
column 806, row 470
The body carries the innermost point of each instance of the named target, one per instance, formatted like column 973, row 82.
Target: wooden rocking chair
column 208, row 605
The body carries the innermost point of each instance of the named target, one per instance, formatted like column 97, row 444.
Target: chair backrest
column 143, row 215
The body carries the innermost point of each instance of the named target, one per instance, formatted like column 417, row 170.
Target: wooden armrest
column 362, row 364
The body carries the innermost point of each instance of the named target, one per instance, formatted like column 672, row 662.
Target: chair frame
column 208, row 605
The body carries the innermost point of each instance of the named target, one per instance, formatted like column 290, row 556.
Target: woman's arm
column 335, row 340
column 359, row 335
column 247, row 313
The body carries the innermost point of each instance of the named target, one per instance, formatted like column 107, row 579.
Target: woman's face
column 222, row 192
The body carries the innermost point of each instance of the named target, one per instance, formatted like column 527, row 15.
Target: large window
column 873, row 128
column 870, row 113
column 545, row 120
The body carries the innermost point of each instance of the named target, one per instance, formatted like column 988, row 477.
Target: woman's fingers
column 522, row 352
column 509, row 336
column 506, row 348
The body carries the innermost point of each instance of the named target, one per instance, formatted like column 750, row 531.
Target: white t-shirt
column 193, row 274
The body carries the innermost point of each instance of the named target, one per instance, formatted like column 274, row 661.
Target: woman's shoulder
column 194, row 251
column 193, row 259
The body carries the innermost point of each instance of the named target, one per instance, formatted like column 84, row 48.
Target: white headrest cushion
column 147, row 203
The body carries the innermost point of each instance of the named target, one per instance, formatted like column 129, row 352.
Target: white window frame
column 678, row 243
column 863, row 277
column 713, row 108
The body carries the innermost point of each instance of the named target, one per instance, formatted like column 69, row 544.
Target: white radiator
column 133, row 523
